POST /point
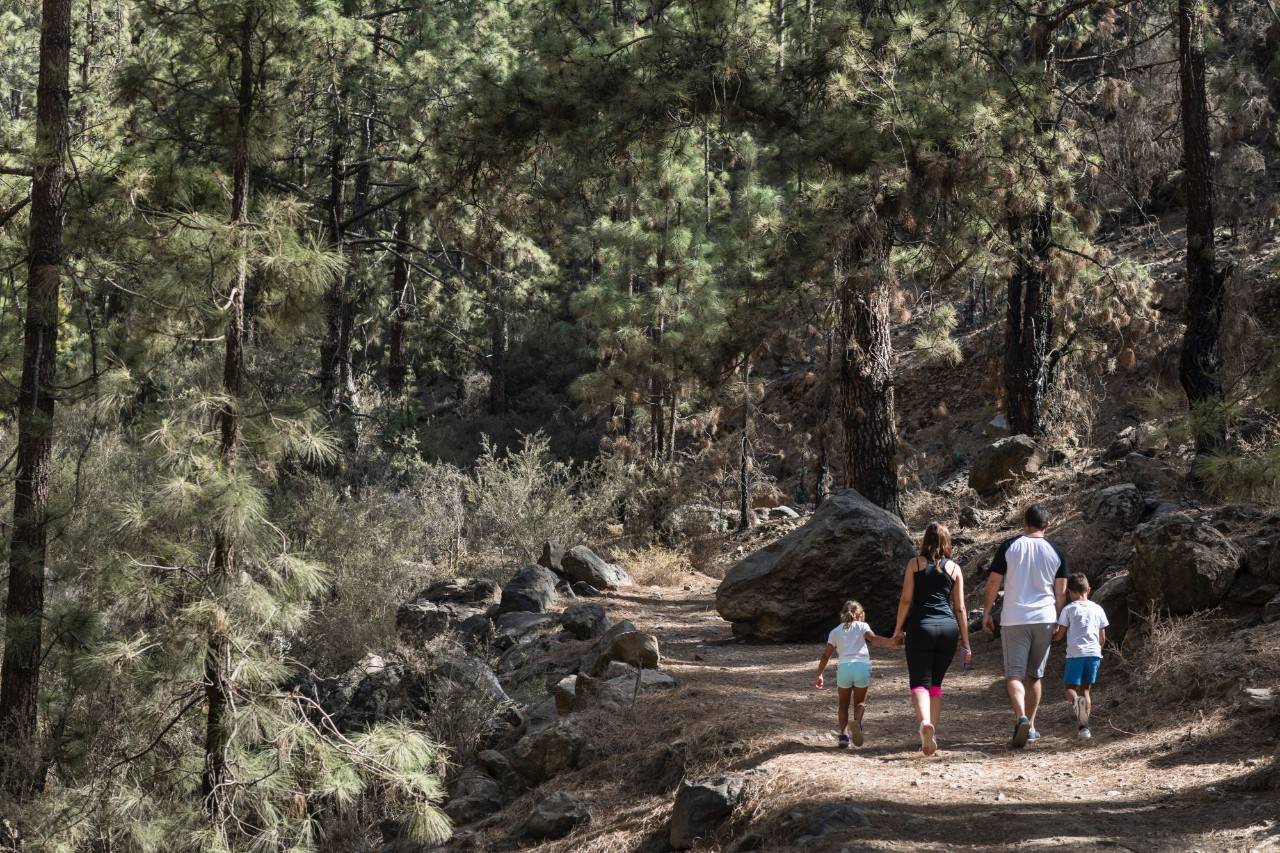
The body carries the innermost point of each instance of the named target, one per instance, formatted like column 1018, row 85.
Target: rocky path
column 752, row 708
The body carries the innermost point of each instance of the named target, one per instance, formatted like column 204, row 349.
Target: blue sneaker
column 1033, row 735
column 1021, row 733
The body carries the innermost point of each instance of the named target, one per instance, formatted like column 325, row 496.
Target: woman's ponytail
column 852, row 612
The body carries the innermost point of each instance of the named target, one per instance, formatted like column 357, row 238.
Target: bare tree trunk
column 744, row 450
column 824, row 424
column 1201, row 361
column 396, row 368
column 866, row 377
column 215, row 780
column 24, row 610
column 500, row 340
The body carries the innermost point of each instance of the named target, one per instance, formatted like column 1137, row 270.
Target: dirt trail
column 1166, row 789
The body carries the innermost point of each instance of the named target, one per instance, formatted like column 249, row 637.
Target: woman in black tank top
column 931, row 622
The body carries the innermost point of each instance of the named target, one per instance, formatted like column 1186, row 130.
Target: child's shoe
column 843, row 742
column 1083, row 733
column 1082, row 712
column 856, row 728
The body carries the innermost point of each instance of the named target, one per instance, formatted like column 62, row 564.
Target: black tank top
column 931, row 600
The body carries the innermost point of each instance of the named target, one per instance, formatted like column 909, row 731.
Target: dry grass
column 657, row 565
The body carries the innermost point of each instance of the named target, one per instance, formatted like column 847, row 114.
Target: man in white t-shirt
column 1034, row 573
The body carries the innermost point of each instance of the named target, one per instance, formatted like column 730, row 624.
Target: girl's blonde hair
column 852, row 612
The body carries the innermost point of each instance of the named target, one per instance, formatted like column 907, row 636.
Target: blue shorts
column 1081, row 671
column 854, row 673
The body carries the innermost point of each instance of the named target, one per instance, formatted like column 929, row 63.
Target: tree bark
column 396, row 367
column 866, row 375
column 744, row 450
column 215, row 779
column 24, row 610
column 1201, row 360
column 500, row 341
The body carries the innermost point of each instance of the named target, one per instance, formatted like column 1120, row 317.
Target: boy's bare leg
column 1071, row 694
column 845, row 694
column 1088, row 699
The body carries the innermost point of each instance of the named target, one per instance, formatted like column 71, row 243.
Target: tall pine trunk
column 500, row 339
column 215, row 780
column 24, row 610
column 1201, row 361
column 744, row 450
column 396, row 367
column 866, row 374
column 1028, row 365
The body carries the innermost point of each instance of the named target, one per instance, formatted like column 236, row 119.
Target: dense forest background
column 306, row 304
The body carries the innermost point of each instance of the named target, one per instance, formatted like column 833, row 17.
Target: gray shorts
column 1026, row 649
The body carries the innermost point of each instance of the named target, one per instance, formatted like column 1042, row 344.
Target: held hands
column 899, row 638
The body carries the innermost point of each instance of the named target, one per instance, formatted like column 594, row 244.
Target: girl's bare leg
column 859, row 702
column 845, row 694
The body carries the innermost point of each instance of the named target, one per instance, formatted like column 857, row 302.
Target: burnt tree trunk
column 744, row 450
column 866, row 375
column 215, row 780
column 24, row 609
column 1201, row 361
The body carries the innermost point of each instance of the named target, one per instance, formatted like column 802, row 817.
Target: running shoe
column 843, row 742
column 1033, row 735
column 856, row 728
column 1021, row 731
column 1082, row 712
column 1084, row 733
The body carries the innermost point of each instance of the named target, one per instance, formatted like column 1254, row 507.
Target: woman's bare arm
column 957, row 606
column 904, row 601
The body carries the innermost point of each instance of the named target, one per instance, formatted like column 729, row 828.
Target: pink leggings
column 934, row 690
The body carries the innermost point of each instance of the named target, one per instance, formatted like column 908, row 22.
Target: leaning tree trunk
column 866, row 376
column 24, row 611
column 1201, row 361
column 216, row 779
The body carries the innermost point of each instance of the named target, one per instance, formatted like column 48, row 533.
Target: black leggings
column 930, row 647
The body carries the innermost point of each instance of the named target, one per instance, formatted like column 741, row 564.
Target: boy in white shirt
column 1084, row 624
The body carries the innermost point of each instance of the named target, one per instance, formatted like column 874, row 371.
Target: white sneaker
column 1082, row 712
column 1083, row 733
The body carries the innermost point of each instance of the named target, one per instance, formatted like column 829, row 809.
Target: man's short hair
column 1036, row 518
column 1078, row 583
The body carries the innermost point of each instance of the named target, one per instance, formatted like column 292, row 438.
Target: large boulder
column 443, row 606
column 582, row 565
column 1113, row 595
column 1007, row 461
column 585, row 621
column 701, row 806
column 1149, row 474
column 793, row 589
column 1181, row 564
column 544, row 754
column 1119, row 507
column 638, row 648
column 476, row 794
column 377, row 690
column 555, row 816
column 532, row 590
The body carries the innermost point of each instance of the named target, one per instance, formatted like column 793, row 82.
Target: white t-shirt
column 850, row 641
column 1084, row 620
column 1029, row 565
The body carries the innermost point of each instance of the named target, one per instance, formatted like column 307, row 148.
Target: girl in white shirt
column 848, row 641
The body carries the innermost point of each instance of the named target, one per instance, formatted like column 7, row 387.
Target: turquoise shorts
column 855, row 673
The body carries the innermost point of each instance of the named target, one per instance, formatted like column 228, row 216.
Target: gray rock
column 581, row 564
column 618, row 669
column 475, row 795
column 552, row 555
column 692, row 520
column 475, row 631
column 701, row 807
column 443, row 606
column 532, row 589
column 633, row 647
column 498, row 766
column 555, row 816
column 579, row 692
column 811, row 826
column 1252, row 590
column 1150, row 475
column 473, row 676
column 1181, row 564
column 1271, row 611
column 585, row 590
column 1113, row 595
column 544, row 754
column 782, row 513
column 1258, row 698
column 1004, row 463
column 775, row 594
column 516, row 628
column 585, row 621
column 1118, row 506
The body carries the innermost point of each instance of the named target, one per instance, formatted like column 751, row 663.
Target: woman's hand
column 899, row 638
column 966, row 655
column 818, row 682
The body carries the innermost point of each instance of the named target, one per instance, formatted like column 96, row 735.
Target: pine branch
column 13, row 211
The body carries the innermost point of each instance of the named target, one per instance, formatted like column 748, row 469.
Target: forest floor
column 752, row 708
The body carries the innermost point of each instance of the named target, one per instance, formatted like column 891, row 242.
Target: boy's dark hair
column 1078, row 583
column 1036, row 518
